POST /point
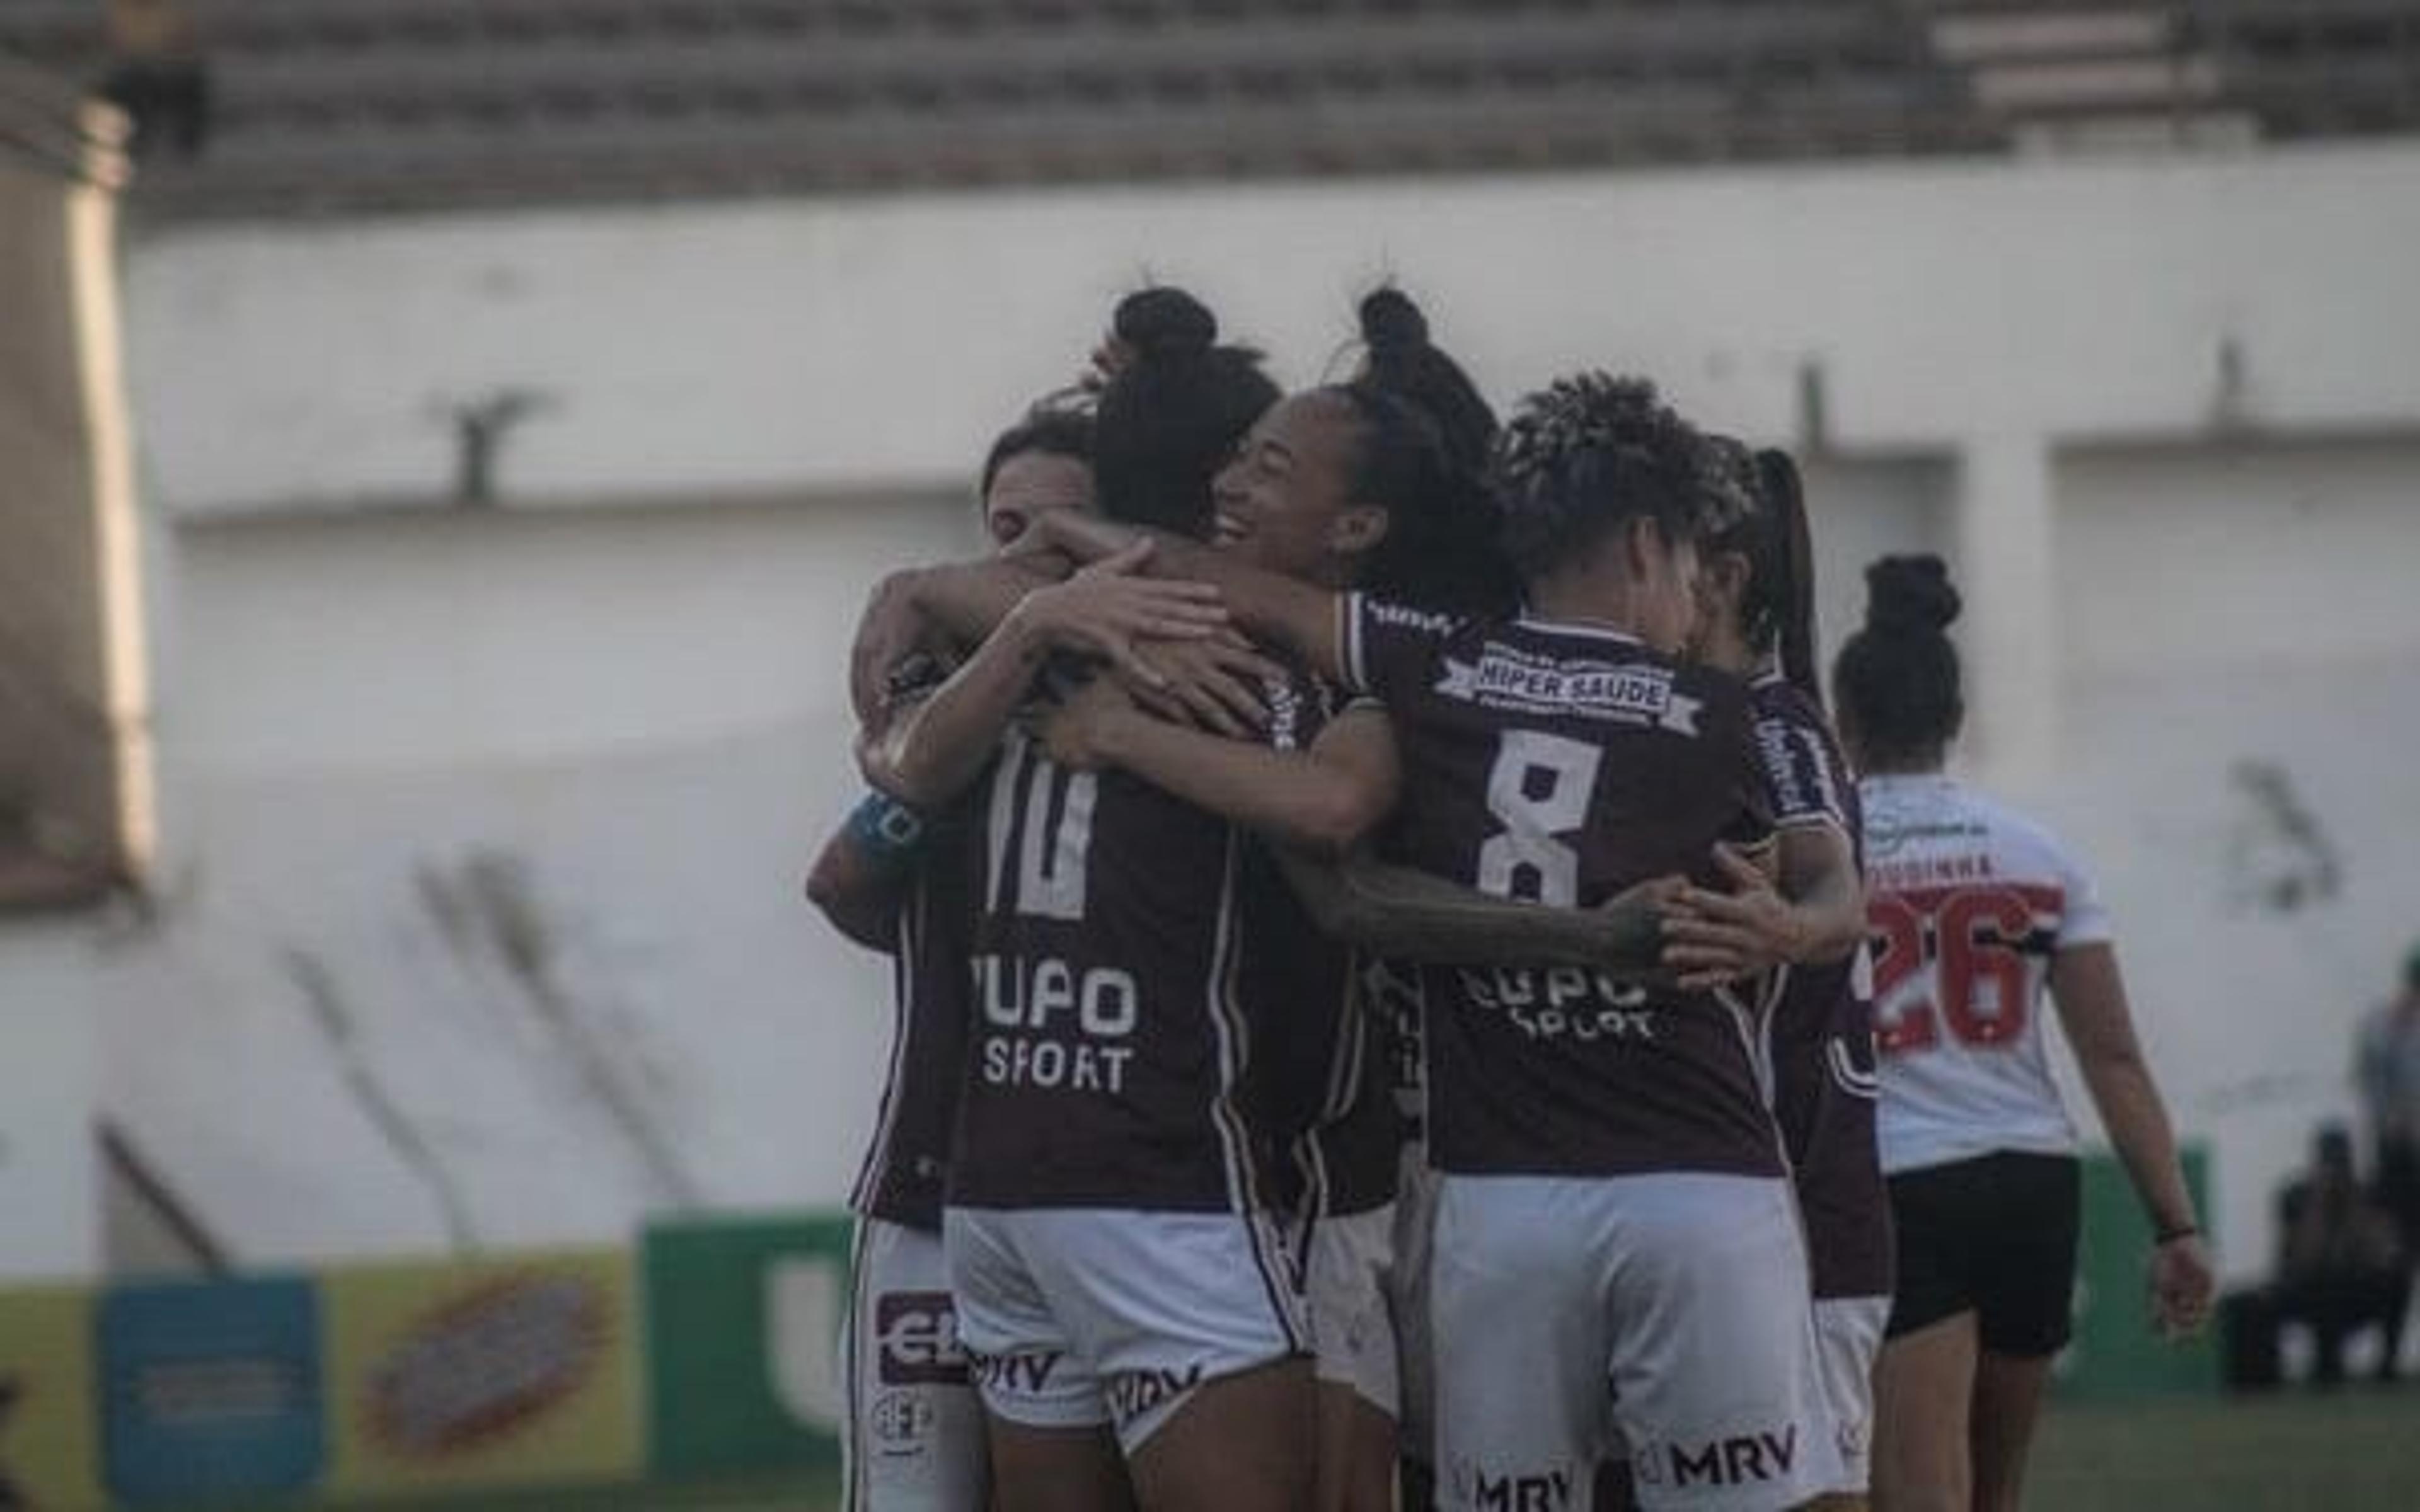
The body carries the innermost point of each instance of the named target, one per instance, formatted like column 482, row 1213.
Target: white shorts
column 1345, row 1280
column 1407, row 1297
column 1666, row 1313
column 1848, row 1336
column 915, row 1440
column 1072, row 1317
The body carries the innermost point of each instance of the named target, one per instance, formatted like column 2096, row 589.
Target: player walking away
column 1757, row 593
column 1612, row 1207
column 1978, row 911
column 1121, row 1283
column 894, row 879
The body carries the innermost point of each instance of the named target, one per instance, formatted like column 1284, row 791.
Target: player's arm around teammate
column 1319, row 806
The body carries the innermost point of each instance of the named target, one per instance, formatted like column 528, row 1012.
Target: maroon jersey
column 906, row 1167
column 1564, row 763
column 1820, row 1033
column 1321, row 1086
column 1118, row 994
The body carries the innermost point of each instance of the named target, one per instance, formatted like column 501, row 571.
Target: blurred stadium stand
column 353, row 106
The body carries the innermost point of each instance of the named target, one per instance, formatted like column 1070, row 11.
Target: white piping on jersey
column 1586, row 629
column 853, row 1361
column 1002, row 818
column 1348, row 642
column 908, row 945
column 1845, row 1074
column 1754, row 1026
column 1234, row 1035
column 1757, row 1040
column 1347, row 1064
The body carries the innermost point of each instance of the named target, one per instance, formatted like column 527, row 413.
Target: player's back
column 1563, row 762
column 1968, row 902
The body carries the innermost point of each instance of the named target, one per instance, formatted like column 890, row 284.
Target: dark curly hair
column 1897, row 679
column 1047, row 429
column 1592, row 452
column 1171, row 413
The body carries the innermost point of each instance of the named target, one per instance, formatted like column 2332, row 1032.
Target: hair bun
column 1910, row 594
column 1164, row 322
column 1392, row 322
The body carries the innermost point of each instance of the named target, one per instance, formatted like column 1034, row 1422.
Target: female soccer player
column 1120, row 1283
column 894, row 880
column 1612, row 1211
column 1372, row 482
column 1978, row 912
column 1757, row 595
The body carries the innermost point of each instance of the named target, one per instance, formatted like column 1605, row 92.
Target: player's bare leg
column 1922, row 1383
column 1056, row 1469
column 1356, row 1452
column 2008, row 1403
column 1244, row 1443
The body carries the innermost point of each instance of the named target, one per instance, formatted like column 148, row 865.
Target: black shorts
column 1994, row 1236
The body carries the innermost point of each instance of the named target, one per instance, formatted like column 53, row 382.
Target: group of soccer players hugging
column 1402, row 999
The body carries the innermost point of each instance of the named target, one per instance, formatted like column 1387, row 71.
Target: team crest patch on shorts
column 916, row 1334
column 902, row 1422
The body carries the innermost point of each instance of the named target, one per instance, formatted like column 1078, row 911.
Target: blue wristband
column 885, row 828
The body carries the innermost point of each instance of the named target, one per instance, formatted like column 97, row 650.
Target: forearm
column 1267, row 606
column 2138, row 1128
column 1289, row 796
column 1825, row 893
column 970, row 600
column 1405, row 914
column 931, row 751
column 2091, row 997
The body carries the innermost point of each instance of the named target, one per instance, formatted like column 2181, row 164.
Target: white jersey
column 1968, row 902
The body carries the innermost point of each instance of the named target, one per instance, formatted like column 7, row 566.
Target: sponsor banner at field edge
column 519, row 1370
column 211, row 1390
column 2115, row 1355
column 50, row 1422
column 744, row 1321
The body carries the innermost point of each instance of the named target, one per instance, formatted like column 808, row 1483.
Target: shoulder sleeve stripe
column 1348, row 640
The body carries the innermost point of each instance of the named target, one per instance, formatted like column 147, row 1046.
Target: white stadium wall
column 483, row 827
column 2242, row 700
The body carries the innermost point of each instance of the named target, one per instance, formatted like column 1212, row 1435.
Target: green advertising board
column 2115, row 1355
column 745, row 1318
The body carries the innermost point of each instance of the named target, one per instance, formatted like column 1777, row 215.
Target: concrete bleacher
column 340, row 105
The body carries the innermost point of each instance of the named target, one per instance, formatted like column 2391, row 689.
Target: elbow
column 1331, row 821
column 895, row 769
column 1837, row 939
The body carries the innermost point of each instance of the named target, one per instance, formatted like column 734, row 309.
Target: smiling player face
column 1285, row 502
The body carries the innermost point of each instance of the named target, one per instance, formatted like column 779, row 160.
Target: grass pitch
column 2355, row 1451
